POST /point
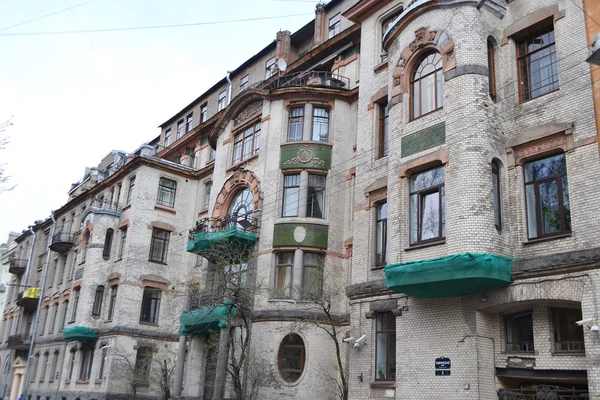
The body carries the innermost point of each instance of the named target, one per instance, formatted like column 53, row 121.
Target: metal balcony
column 19, row 342
column 17, row 266
column 61, row 242
column 311, row 78
column 29, row 298
column 543, row 392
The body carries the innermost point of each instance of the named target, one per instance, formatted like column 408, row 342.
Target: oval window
column 291, row 358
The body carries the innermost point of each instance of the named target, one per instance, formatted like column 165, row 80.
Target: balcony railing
column 543, row 392
column 246, row 222
column 520, row 347
column 61, row 242
column 570, row 346
column 101, row 204
column 311, row 78
column 17, row 266
column 19, row 342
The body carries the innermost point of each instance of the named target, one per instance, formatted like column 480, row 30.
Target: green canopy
column 204, row 240
column 80, row 334
column 205, row 319
column 451, row 276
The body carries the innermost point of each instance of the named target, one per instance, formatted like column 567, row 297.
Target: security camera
column 348, row 340
column 360, row 341
column 595, row 328
column 584, row 321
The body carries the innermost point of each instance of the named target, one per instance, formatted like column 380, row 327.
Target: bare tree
column 4, row 179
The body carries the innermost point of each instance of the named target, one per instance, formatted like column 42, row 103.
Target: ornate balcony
column 19, row 342
column 29, row 298
column 17, row 266
column 543, row 392
column 209, row 233
column 61, row 242
column 101, row 206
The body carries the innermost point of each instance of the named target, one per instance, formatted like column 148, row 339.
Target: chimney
column 284, row 45
column 320, row 24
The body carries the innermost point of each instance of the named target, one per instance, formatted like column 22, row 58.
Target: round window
column 291, row 358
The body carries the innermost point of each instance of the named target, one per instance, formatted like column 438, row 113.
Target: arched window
column 291, row 358
column 426, row 85
column 97, row 308
column 241, row 206
column 491, row 69
column 107, row 244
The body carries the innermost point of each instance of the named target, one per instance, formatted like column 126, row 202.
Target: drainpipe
column 230, row 86
column 37, row 313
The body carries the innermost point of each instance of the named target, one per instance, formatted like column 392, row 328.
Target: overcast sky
column 75, row 97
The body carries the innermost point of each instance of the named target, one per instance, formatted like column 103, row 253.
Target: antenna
column 281, row 64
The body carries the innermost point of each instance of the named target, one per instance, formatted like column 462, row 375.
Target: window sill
column 67, row 381
column 520, row 353
column 522, row 102
column 126, row 207
column 282, row 300
column 99, row 381
column 380, row 67
column 80, row 382
column 378, row 267
column 424, row 115
column 120, row 259
column 167, row 209
column 148, row 323
column 424, row 245
column 568, row 353
column 157, row 262
column 383, row 384
column 548, row 238
column 241, row 163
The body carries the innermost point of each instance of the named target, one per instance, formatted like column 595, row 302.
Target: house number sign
column 442, row 366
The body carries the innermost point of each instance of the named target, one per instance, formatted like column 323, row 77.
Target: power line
column 138, row 28
column 79, row 23
column 46, row 15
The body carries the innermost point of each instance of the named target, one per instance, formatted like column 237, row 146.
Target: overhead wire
column 46, row 15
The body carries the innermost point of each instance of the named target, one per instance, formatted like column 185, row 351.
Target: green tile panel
column 313, row 155
column 309, row 235
column 424, row 139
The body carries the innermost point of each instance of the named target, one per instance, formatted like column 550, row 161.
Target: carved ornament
column 305, row 156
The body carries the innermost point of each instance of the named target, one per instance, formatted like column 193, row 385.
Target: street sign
column 442, row 366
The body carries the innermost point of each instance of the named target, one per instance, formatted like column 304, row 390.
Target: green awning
column 80, row 334
column 205, row 319
column 203, row 241
column 451, row 276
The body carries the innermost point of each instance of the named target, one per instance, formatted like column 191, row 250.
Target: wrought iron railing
column 543, row 392
column 17, row 266
column 18, row 340
column 105, row 205
column 520, row 347
column 568, row 346
column 62, row 237
column 310, row 78
column 244, row 222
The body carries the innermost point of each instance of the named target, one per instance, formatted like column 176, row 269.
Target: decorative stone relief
column 305, row 156
column 240, row 179
column 250, row 110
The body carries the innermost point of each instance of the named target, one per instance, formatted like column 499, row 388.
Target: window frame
column 390, row 335
column 321, row 120
column 122, row 241
column 250, row 134
column 441, row 189
column 150, row 310
column 335, row 25
column 86, row 364
column 270, row 67
column 293, row 186
column 282, row 263
column 281, row 355
column 179, row 133
column 206, row 195
column 130, row 189
column 76, row 294
column 203, row 112
column 383, row 133
column 522, row 60
column 222, row 100
column 573, row 346
column 522, row 346
column 108, row 239
column 413, row 81
column 167, row 137
column 310, row 197
column 491, row 54
column 98, row 301
column 318, row 266
column 114, row 291
column 293, row 122
column 167, row 191
column 189, row 122
column 564, row 213
column 160, row 237
column 244, row 82
column 381, row 260
column 145, row 354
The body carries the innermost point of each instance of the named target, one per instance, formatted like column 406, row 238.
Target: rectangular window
column 143, row 360
column 222, row 100
column 312, row 276
column 519, row 332
column 295, row 124
column 243, row 83
column 547, row 197
column 167, row 137
column 54, row 318
column 98, row 300
column 284, row 279
column 166, row 192
column 203, row 112
column 381, row 235
column 189, row 122
column 236, row 274
column 491, row 70
column 211, row 155
column 179, row 129
column 64, row 317
column 291, row 191
column 44, row 321
column 113, row 301
column 130, row 191
column 122, row 243
column 206, row 201
column 150, row 305
column 538, row 69
column 85, row 369
column 496, row 195
column 269, row 68
column 54, row 367
column 427, row 206
column 76, row 293
column 34, row 367
column 315, row 202
column 385, row 346
column 247, row 143
column 320, row 125
column 568, row 336
column 384, row 129
column 71, row 364
column 45, row 362
column 159, row 245
column 335, row 25
column 102, row 362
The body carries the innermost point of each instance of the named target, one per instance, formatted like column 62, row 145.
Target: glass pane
column 290, row 202
column 313, row 259
column 392, row 355
column 416, row 99
column 496, row 198
column 545, row 168
column 427, row 94
column 530, row 204
column 312, row 283
column 382, row 211
column 430, row 217
column 427, row 179
column 549, row 205
column 443, row 216
column 566, row 204
column 381, row 356
column 284, row 281
column 414, row 212
column 440, row 88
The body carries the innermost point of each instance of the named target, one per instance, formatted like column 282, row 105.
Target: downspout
column 37, row 313
column 230, row 86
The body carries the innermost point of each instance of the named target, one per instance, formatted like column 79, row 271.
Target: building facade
column 395, row 201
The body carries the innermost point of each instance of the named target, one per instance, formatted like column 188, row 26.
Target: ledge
column 425, row 245
column 567, row 259
column 546, row 239
column 367, row 289
column 166, row 209
column 298, row 315
column 383, row 384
